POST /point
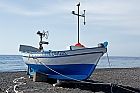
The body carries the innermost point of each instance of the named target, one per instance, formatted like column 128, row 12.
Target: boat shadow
column 101, row 88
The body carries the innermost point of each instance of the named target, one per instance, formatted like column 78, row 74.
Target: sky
column 114, row 21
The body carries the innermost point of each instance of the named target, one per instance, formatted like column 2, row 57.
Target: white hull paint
column 80, row 56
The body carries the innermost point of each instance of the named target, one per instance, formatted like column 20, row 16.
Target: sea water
column 12, row 63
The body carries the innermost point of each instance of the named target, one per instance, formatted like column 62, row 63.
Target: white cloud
column 98, row 12
column 106, row 19
column 43, row 9
column 92, row 6
column 112, row 7
column 21, row 10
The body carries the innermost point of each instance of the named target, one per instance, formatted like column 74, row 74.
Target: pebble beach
column 123, row 80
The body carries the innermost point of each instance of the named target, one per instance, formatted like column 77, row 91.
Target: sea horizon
column 10, row 63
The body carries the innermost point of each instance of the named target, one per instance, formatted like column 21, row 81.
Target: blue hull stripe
column 62, row 55
column 76, row 71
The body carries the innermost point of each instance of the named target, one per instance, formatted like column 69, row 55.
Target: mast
column 83, row 15
column 78, row 20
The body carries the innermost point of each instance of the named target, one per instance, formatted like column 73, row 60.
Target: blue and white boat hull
column 71, row 64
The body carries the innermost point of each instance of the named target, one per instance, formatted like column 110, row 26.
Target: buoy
column 79, row 45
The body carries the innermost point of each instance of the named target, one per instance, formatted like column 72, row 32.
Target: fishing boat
column 77, row 62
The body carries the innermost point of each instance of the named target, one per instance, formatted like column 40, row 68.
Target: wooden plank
column 37, row 77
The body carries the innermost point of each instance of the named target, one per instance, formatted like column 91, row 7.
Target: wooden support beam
column 37, row 77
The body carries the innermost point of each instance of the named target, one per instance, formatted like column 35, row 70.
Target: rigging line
column 110, row 68
column 116, row 84
column 85, row 81
column 108, row 59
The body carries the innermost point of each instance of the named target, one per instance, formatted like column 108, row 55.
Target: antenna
column 43, row 34
column 84, row 18
column 83, row 15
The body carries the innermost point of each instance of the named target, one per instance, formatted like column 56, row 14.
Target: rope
column 17, row 85
column 116, row 84
column 7, row 90
column 29, row 55
column 70, row 77
column 85, row 81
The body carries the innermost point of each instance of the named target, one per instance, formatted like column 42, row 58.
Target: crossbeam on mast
column 83, row 15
